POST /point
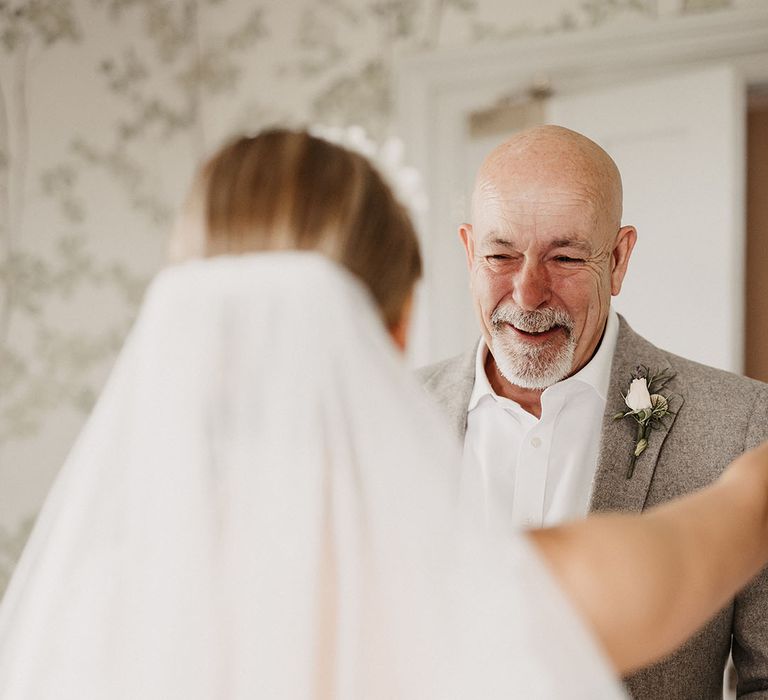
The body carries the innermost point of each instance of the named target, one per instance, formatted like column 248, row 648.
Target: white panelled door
column 679, row 144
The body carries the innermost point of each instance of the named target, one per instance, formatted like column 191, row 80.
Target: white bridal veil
column 263, row 505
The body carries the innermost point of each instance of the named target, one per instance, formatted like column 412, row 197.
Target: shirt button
column 536, row 442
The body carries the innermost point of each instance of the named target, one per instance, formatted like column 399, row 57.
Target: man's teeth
column 532, row 332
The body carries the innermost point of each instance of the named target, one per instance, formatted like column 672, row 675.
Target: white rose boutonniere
column 646, row 406
column 638, row 397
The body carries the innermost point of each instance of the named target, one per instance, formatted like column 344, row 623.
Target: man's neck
column 528, row 399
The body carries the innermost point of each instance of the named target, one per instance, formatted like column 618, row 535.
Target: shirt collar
column 596, row 373
column 482, row 386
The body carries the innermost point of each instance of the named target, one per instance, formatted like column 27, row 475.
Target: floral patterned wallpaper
column 105, row 108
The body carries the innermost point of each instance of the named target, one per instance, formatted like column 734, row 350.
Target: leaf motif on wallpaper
column 36, row 280
column 47, row 21
column 252, row 29
column 170, row 25
column 130, row 175
column 399, row 17
column 168, row 97
column 349, row 12
column 319, row 43
column 591, row 13
column 690, row 6
column 11, row 546
column 254, row 115
column 59, row 183
column 159, row 94
column 12, row 370
column 126, row 77
column 26, row 30
column 462, row 5
column 59, row 367
column 214, row 71
column 490, row 31
column 66, row 373
column 485, row 31
column 327, row 31
column 360, row 98
column 124, row 74
column 600, row 11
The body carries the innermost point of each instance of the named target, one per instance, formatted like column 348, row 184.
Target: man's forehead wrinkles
column 567, row 242
column 499, row 239
column 488, row 189
column 486, row 199
column 536, row 198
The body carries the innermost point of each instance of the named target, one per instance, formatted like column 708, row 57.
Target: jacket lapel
column 452, row 386
column 611, row 490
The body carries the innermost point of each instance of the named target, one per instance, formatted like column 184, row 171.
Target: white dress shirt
column 537, row 472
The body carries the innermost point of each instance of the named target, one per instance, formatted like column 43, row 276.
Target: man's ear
column 467, row 238
column 622, row 251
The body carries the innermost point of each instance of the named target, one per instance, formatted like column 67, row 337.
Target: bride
column 265, row 505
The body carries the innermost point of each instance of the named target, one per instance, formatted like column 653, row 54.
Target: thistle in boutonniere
column 646, row 406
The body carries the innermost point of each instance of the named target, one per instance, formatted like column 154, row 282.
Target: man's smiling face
column 545, row 253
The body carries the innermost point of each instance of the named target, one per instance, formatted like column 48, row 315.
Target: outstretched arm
column 645, row 583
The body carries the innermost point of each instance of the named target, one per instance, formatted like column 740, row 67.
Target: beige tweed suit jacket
column 718, row 416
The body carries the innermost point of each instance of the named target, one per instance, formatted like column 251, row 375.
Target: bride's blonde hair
column 288, row 190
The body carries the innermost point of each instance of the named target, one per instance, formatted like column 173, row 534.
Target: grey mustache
column 532, row 321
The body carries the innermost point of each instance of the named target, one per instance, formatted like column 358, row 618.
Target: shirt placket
column 532, row 468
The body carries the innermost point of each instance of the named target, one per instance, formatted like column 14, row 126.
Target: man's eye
column 567, row 259
column 500, row 256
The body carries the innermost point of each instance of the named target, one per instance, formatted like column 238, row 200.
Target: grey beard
column 526, row 365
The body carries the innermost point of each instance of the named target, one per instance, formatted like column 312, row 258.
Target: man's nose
column 531, row 286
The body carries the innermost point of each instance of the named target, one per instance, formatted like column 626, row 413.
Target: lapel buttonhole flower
column 646, row 406
column 638, row 398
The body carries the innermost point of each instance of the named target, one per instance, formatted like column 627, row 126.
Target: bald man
column 535, row 400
